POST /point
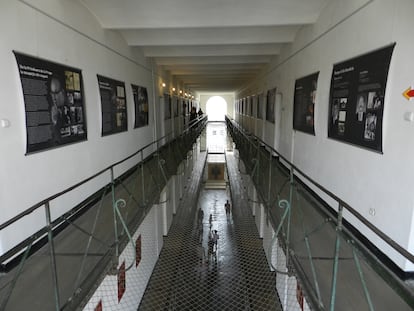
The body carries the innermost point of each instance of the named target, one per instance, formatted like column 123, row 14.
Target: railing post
column 269, row 188
column 336, row 258
column 52, row 255
column 143, row 179
column 114, row 211
column 291, row 182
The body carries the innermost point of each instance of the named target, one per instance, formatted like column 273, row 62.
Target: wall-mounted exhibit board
column 140, row 95
column 167, row 106
column 113, row 105
column 260, row 104
column 357, row 99
column 304, row 103
column 54, row 103
column 270, row 105
column 175, row 105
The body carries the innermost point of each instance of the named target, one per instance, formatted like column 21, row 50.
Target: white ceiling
column 208, row 45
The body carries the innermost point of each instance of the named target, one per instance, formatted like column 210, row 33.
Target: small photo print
column 120, row 91
column 341, row 128
column 374, row 100
column 120, row 104
column 65, row 131
column 342, row 116
column 335, row 111
column 370, row 127
column 69, row 80
column 343, row 101
column 361, row 106
column 76, row 81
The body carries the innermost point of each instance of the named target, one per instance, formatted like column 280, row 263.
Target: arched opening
column 216, row 108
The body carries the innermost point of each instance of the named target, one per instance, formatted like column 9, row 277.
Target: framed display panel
column 175, row 105
column 357, row 99
column 304, row 103
column 54, row 103
column 113, row 105
column 183, row 107
column 270, row 105
column 140, row 95
column 250, row 104
column 167, row 106
column 260, row 105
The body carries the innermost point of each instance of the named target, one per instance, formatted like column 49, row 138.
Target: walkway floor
column 235, row 277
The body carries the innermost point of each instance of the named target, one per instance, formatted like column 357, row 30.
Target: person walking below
column 200, row 217
column 227, row 207
column 214, row 238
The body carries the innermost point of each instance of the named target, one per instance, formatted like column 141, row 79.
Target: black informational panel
column 176, row 105
column 270, row 105
column 260, row 103
column 357, row 99
column 140, row 95
column 304, row 103
column 113, row 105
column 54, row 103
column 167, row 106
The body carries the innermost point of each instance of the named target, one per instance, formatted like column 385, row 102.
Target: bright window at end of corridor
column 216, row 108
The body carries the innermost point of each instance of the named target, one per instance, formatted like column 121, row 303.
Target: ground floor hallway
column 234, row 275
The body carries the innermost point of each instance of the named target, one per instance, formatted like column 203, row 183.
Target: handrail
column 362, row 219
column 52, row 197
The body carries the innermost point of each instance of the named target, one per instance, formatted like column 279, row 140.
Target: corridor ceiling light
column 163, row 84
column 173, row 89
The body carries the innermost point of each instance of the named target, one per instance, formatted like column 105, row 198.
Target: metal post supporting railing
column 364, row 284
column 336, row 258
column 114, row 213
column 291, row 182
column 13, row 283
column 120, row 203
column 52, row 256
column 143, row 180
column 85, row 255
column 315, row 279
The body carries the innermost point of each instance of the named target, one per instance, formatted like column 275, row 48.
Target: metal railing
column 72, row 253
column 335, row 265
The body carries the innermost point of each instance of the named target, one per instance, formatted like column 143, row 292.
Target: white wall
column 72, row 37
column 379, row 186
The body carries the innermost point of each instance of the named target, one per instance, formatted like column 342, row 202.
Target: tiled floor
column 235, row 277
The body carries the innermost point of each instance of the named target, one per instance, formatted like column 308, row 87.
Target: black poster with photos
column 270, row 105
column 175, row 104
column 140, row 95
column 260, row 105
column 167, row 106
column 304, row 103
column 357, row 99
column 113, row 103
column 54, row 103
